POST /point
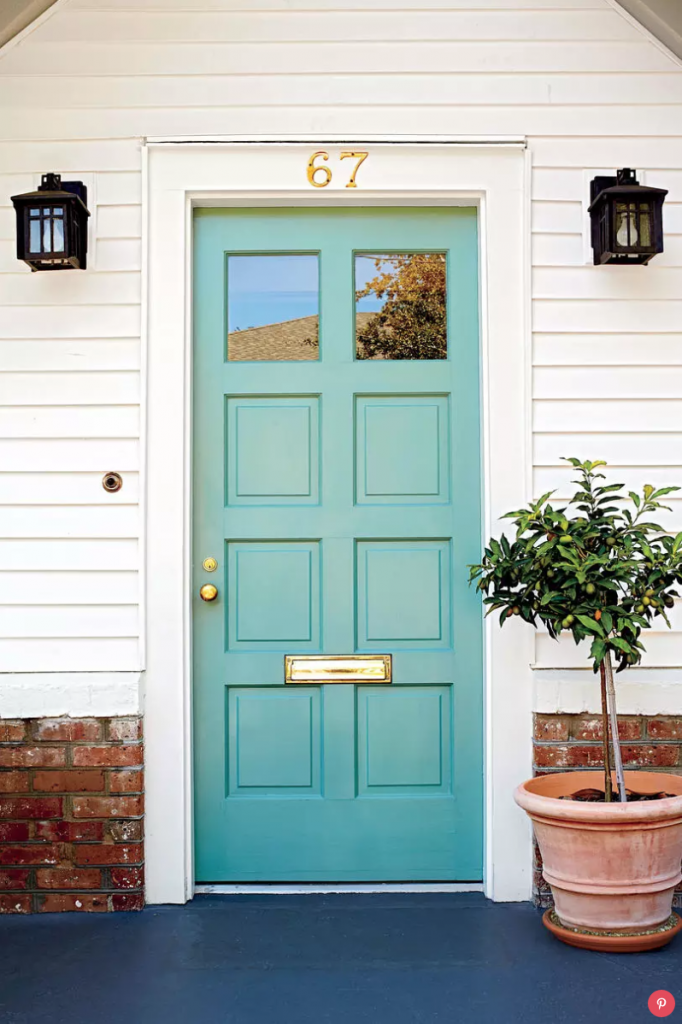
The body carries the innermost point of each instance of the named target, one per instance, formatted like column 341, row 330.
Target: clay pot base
column 613, row 942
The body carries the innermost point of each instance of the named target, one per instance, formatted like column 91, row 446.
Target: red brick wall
column 570, row 742
column 71, row 815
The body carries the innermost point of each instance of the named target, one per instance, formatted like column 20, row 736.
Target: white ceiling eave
column 662, row 18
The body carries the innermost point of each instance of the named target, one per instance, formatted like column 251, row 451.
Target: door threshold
column 312, row 889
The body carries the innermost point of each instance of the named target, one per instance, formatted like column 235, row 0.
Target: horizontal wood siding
column 587, row 88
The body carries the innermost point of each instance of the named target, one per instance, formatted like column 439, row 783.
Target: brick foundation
column 71, row 815
column 571, row 742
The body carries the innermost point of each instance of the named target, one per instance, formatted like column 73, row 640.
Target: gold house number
column 320, row 175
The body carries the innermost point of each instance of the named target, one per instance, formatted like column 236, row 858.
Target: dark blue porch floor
column 385, row 959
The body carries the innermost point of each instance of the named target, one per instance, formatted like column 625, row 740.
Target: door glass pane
column 400, row 306
column 273, row 307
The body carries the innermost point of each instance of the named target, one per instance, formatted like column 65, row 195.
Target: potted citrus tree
column 599, row 569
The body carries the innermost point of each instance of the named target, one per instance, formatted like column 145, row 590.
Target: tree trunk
column 608, row 787
column 613, row 719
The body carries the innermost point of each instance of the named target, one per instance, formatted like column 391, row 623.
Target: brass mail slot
column 337, row 668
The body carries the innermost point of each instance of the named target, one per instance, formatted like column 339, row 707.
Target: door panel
column 337, row 483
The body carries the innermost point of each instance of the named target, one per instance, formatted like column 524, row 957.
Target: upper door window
column 400, row 306
column 273, row 307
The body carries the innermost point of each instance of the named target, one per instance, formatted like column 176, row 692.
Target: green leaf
column 591, row 624
column 598, row 650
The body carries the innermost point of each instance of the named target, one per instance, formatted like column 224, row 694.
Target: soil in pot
column 597, row 796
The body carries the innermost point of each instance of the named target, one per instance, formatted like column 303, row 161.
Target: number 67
column 314, row 169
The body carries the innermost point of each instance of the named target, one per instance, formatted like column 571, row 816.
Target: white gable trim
column 59, row 5
column 644, row 31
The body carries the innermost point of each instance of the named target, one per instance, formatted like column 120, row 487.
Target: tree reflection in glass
column 400, row 306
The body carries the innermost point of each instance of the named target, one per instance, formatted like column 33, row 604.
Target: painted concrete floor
column 384, row 959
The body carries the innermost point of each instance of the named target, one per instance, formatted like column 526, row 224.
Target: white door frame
column 492, row 174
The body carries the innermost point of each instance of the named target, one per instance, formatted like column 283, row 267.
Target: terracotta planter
column 613, row 867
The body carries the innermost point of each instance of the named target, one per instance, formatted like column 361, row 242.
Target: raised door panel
column 402, row 452
column 272, row 450
column 273, row 595
column 403, row 594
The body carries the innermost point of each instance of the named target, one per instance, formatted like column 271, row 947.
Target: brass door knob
column 208, row 592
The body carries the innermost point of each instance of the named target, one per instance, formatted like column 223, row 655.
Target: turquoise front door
column 337, row 485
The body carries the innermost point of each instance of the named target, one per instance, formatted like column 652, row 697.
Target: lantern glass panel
column 645, row 225
column 58, row 230
column 627, row 234
column 58, row 241
column 34, row 236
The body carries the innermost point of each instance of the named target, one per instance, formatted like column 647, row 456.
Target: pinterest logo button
column 661, row 1003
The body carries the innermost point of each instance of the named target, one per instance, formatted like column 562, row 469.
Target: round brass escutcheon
column 210, row 564
column 112, row 482
column 208, row 592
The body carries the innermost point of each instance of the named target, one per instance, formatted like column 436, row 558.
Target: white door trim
column 491, row 174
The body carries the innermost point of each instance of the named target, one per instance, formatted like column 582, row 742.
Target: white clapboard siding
column 608, row 315
column 333, row 57
column 316, row 26
column 68, row 354
column 71, row 555
column 612, row 283
column 122, row 221
column 619, row 151
column 644, row 416
column 69, row 521
column 72, row 157
column 21, row 289
column 589, row 90
column 59, row 388
column 264, row 89
column 28, row 455
column 586, row 350
column 77, row 654
column 124, row 254
column 99, row 321
column 618, row 449
column 608, row 382
column 68, row 588
column 30, row 124
column 65, row 489
column 70, row 621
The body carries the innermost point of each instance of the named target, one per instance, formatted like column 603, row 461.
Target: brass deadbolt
column 208, row 592
column 210, row 564
column 112, row 482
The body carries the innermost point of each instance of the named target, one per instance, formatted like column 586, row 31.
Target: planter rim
column 540, row 797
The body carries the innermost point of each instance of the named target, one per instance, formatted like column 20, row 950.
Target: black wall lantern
column 627, row 219
column 52, row 225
